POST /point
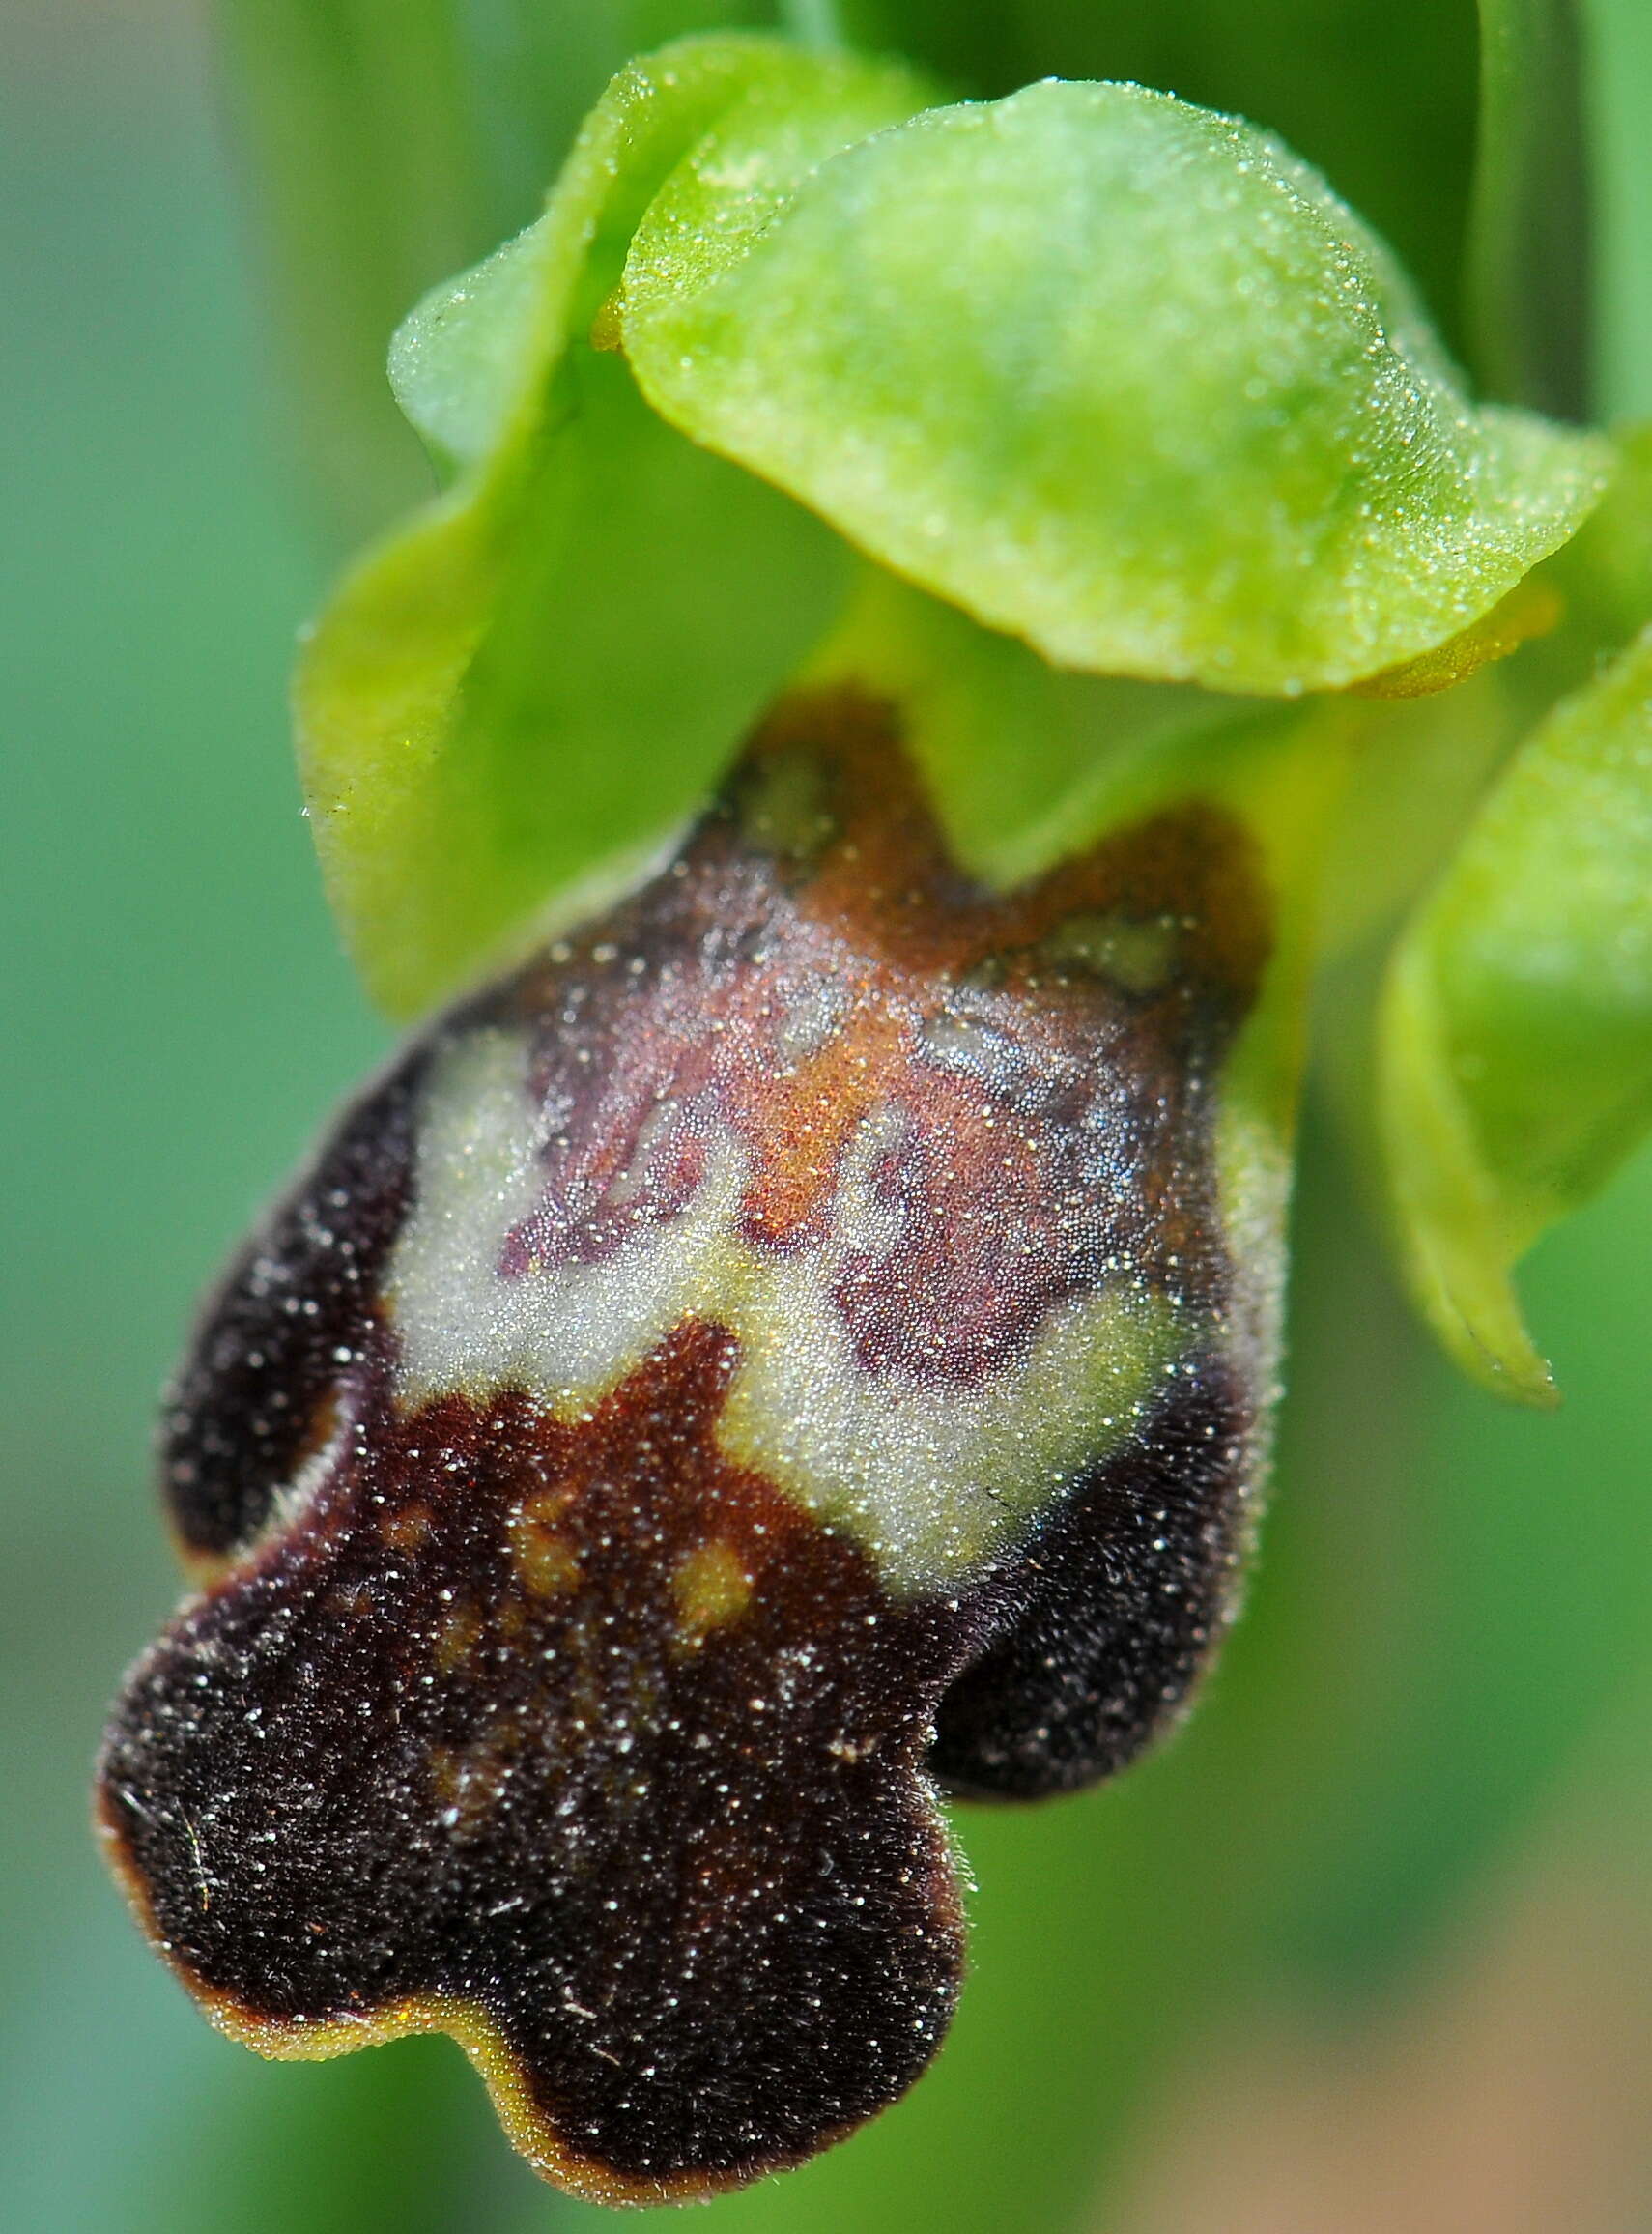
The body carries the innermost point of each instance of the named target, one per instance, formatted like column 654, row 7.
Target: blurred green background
column 1369, row 1947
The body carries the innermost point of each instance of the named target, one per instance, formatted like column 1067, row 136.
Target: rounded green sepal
column 1115, row 373
column 1516, row 1048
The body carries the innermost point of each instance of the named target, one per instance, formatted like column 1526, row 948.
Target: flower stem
column 1529, row 266
column 814, row 23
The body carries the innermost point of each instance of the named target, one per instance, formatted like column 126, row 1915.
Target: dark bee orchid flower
column 778, row 1352
column 801, row 1341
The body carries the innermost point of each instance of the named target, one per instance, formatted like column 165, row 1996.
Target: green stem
column 1529, row 280
column 813, row 24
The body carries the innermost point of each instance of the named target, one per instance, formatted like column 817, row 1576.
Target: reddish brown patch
column 1044, row 1124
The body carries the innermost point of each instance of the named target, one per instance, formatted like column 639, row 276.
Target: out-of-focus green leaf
column 1619, row 55
column 365, row 170
column 1528, row 274
column 1517, row 1024
column 1114, row 374
column 543, row 671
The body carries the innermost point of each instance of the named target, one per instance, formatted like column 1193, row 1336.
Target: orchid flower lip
column 773, row 1355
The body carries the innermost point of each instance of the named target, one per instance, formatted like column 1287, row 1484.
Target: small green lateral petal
column 1115, row 373
column 1516, row 1026
column 1605, row 573
column 545, row 670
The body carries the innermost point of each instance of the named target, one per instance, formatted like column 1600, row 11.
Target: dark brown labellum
column 775, row 1356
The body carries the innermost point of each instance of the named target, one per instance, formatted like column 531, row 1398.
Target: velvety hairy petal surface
column 797, row 1344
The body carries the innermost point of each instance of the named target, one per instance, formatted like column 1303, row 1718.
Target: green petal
column 1516, row 1024
column 1115, row 373
column 546, row 668
column 1604, row 574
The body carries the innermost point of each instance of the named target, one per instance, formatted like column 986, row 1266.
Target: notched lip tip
column 473, row 2031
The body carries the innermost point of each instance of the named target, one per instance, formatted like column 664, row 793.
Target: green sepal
column 1516, row 1029
column 545, row 670
column 1116, row 375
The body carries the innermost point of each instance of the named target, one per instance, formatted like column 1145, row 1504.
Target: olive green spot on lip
column 1138, row 957
column 546, row 1563
column 784, row 806
column 711, row 1588
column 457, row 1639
